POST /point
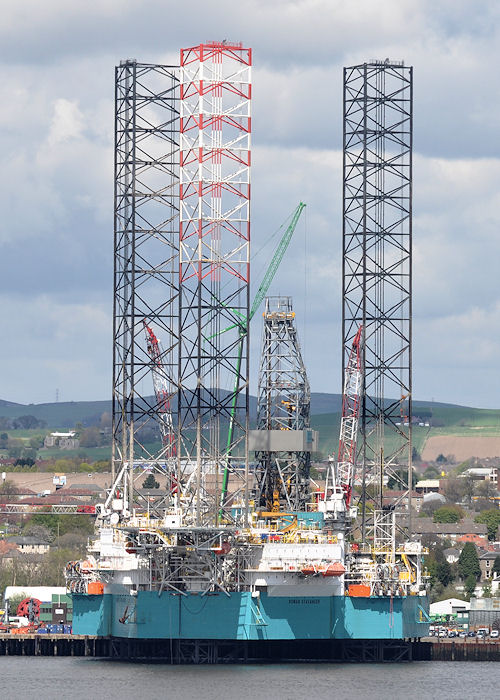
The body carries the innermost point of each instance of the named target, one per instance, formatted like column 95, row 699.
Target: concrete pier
column 202, row 651
column 199, row 651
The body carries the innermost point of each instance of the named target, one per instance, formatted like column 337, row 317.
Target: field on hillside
column 461, row 447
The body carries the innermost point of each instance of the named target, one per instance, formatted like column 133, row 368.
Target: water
column 83, row 678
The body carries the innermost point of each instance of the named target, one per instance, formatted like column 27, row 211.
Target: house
column 427, row 486
column 480, row 541
column 451, row 555
column 30, row 545
column 64, row 441
column 449, row 607
column 482, row 474
column 464, row 531
column 486, row 563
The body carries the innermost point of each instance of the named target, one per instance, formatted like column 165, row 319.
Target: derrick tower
column 283, row 434
column 145, row 270
column 214, row 263
column 377, row 268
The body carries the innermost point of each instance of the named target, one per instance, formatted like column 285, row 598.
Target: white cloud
column 67, row 122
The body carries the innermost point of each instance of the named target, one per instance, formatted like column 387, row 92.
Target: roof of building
column 446, row 607
column 464, row 527
column 434, row 497
column 94, row 488
column 33, row 541
column 489, row 555
column 478, row 471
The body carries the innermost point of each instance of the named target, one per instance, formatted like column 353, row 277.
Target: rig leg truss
column 214, row 278
column 377, row 267
column 146, row 270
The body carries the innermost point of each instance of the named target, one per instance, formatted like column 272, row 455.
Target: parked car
column 443, row 633
column 494, row 634
column 471, row 634
column 462, row 634
column 452, row 634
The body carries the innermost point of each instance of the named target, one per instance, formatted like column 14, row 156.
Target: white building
column 451, row 606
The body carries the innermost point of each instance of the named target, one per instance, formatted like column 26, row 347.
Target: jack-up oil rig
column 239, row 554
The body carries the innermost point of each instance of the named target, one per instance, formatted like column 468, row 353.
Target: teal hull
column 238, row 616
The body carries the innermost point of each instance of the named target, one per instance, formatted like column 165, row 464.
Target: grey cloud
column 56, row 176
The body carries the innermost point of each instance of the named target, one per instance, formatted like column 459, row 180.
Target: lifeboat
column 308, row 569
column 336, row 569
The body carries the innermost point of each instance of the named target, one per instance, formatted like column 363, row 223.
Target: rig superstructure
column 231, row 549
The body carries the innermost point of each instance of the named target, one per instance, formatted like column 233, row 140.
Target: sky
column 57, row 63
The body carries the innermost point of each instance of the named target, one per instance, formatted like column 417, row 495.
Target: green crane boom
column 276, row 261
column 243, row 329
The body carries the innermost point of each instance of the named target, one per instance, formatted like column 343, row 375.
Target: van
column 15, row 621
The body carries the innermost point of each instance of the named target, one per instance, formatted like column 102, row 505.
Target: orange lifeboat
column 336, row 569
column 308, row 569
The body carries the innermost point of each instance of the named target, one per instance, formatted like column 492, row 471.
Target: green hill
column 444, row 419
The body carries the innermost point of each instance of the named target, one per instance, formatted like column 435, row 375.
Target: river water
column 84, row 679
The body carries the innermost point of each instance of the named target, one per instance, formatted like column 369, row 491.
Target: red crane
column 351, row 398
column 162, row 393
column 340, row 481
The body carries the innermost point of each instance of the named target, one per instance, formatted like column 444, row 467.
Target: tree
column 470, row 585
column 27, row 423
column 441, row 459
column 468, row 562
column 429, row 507
column 487, row 590
column 24, row 462
column 444, row 573
column 40, row 532
column 36, row 441
column 14, row 602
column 8, row 488
column 150, row 482
column 448, row 514
column 91, row 437
column 454, row 489
column 48, row 521
column 490, row 518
